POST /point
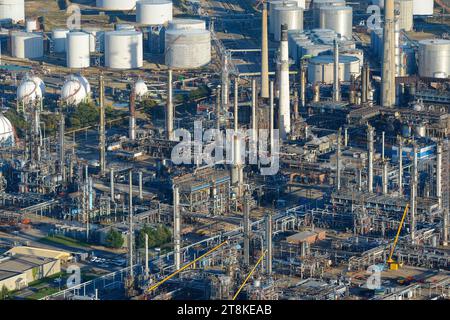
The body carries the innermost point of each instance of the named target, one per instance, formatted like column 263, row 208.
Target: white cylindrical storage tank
column 26, row 45
column 123, row 50
column 59, row 40
column 423, row 7
column 358, row 53
column 154, row 12
column 272, row 17
column 116, row 4
column 291, row 16
column 320, row 69
column 405, row 18
column 339, row 19
column 12, row 9
column 96, row 39
column 315, row 50
column 77, row 50
column 187, row 24
column 434, row 58
column 186, row 49
column 317, row 4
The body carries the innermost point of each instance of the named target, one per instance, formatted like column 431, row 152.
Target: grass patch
column 41, row 293
column 63, row 240
column 44, row 280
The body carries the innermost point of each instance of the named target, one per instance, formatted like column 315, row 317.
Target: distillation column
column 169, row 108
column 176, row 228
column 439, row 174
column 246, row 231
column 338, row 160
column 269, row 235
column 370, row 132
column 413, row 197
column 132, row 119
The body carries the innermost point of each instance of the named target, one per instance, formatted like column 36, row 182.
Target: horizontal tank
column 187, row 24
column 26, row 45
column 123, row 50
column 59, row 40
column 434, row 58
column 119, row 5
column 339, row 19
column 423, row 7
column 77, row 50
column 12, row 9
column 290, row 16
column 405, row 18
column 186, row 49
column 153, row 12
column 321, row 69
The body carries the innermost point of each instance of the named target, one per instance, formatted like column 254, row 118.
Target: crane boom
column 390, row 261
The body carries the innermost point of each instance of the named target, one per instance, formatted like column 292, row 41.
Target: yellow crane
column 394, row 265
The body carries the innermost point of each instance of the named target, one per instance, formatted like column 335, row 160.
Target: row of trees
column 157, row 236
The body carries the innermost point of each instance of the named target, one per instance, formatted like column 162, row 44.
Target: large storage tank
column 73, row 92
column 423, row 7
column 116, row 4
column 339, row 19
column 317, row 4
column 12, row 9
column 301, row 4
column 321, row 69
column 315, row 50
column 123, row 50
column 272, row 17
column 153, row 12
column 26, row 45
column 29, row 91
column 187, row 24
column 291, row 16
column 434, row 58
column 59, row 40
column 77, row 50
column 187, row 49
column 7, row 133
column 405, row 19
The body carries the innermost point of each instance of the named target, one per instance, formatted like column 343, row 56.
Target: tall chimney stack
column 336, row 85
column 132, row 121
column 102, row 136
column 284, row 101
column 264, row 55
column 169, row 107
column 176, row 228
column 388, row 75
column 370, row 168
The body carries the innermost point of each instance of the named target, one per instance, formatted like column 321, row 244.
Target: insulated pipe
column 246, row 231
column 385, row 177
column 111, row 183
column 141, row 195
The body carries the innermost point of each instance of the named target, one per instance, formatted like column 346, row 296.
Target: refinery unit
column 350, row 119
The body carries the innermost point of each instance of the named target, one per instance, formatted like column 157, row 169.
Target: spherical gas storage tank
column 123, row 50
column 7, row 136
column 73, row 92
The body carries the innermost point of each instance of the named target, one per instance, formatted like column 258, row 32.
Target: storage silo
column 434, row 58
column 317, row 4
column 77, row 50
column 116, row 5
column 339, row 19
column 423, row 7
column 154, row 12
column 291, row 16
column 25, row 45
column 405, row 18
column 321, row 68
column 187, row 24
column 186, row 49
column 12, row 9
column 272, row 17
column 59, row 40
column 123, row 50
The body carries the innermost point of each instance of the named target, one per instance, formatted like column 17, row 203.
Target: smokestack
column 388, row 76
column 284, row 101
column 169, row 107
column 302, row 85
column 254, row 124
column 132, row 123
column 102, row 136
column 237, row 167
column 130, row 209
column 271, row 114
column 336, row 85
column 269, row 235
column 439, row 174
column 264, row 55
column 111, row 183
column 370, row 169
column 246, row 231
column 400, row 166
column 236, row 104
column 385, row 177
column 176, row 228
column 413, row 197
column 225, row 84
column 338, row 160
column 218, row 108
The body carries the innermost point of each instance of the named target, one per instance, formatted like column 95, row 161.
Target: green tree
column 84, row 115
column 114, row 239
column 4, row 293
column 156, row 236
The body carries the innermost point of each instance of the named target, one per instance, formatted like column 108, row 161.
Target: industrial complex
column 224, row 150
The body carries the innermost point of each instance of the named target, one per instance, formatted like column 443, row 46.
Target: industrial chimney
column 169, row 108
column 264, row 55
column 388, row 80
column 284, row 101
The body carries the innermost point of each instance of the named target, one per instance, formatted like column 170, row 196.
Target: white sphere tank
column 82, row 80
column 59, row 40
column 6, row 132
column 140, row 88
column 26, row 45
column 28, row 91
column 154, row 12
column 186, row 49
column 187, row 24
column 423, row 7
column 119, row 5
column 78, row 50
column 123, row 50
column 39, row 82
column 73, row 92
column 12, row 9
